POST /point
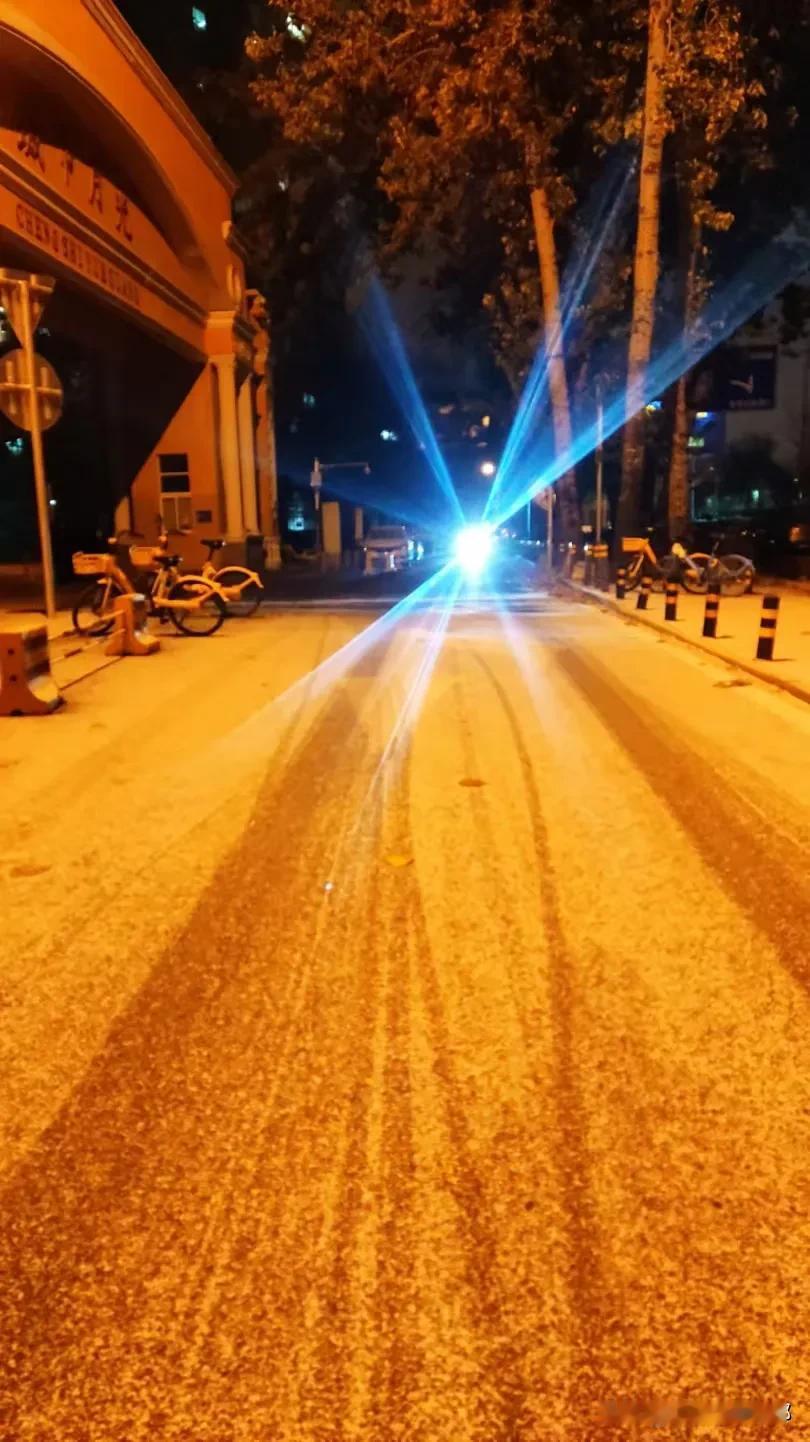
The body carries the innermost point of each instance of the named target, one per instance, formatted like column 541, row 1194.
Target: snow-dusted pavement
column 433, row 1084
column 738, row 625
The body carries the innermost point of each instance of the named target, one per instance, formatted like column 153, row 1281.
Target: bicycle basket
column 142, row 556
column 86, row 563
column 631, row 545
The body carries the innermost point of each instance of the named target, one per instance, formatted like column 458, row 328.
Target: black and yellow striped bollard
column 621, row 583
column 602, row 567
column 644, row 593
column 710, row 615
column 671, row 605
column 767, row 628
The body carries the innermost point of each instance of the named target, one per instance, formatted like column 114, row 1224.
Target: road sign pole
column 43, row 509
column 600, row 428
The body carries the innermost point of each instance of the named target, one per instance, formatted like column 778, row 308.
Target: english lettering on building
column 63, row 247
column 109, row 187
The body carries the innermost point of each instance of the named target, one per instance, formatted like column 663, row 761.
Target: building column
column 225, row 366
column 248, row 455
column 123, row 514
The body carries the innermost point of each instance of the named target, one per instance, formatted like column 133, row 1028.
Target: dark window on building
column 175, row 491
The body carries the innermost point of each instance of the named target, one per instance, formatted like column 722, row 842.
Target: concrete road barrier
column 27, row 687
column 129, row 636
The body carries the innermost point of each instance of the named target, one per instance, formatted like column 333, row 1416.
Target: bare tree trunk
column 555, row 358
column 678, row 503
column 646, row 267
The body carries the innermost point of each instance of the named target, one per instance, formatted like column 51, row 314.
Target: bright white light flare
column 472, row 548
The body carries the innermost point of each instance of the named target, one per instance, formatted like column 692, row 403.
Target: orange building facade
column 109, row 185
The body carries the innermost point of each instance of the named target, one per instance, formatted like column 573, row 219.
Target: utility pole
column 40, row 484
column 316, row 481
column 35, row 402
column 600, row 441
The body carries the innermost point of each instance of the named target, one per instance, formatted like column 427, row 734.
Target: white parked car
column 388, row 548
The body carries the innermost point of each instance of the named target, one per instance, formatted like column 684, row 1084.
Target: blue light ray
column 535, row 391
column 516, row 642
column 786, row 259
column 418, row 688
column 381, row 330
column 350, row 837
column 312, row 684
column 389, row 502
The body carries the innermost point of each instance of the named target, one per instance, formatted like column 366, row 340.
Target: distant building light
column 284, row 185
column 486, row 420
column 704, row 415
column 199, row 19
column 653, row 407
column 755, row 497
column 15, row 447
column 298, row 32
column 52, row 502
column 308, row 400
column 388, row 436
column 488, row 468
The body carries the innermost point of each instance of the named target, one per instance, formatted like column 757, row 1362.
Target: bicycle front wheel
column 201, row 610
column 94, row 611
column 695, row 573
column 243, row 595
column 737, row 575
column 634, row 574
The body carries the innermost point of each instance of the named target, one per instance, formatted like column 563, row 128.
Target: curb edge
column 780, row 683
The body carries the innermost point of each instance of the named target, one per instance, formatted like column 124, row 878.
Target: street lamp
column 316, row 481
column 319, row 471
column 488, row 468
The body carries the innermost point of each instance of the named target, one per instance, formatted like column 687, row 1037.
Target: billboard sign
column 735, row 378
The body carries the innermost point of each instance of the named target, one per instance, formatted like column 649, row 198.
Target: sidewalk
column 73, row 658
column 737, row 630
column 17, row 619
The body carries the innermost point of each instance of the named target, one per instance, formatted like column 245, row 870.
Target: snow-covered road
column 433, row 1082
